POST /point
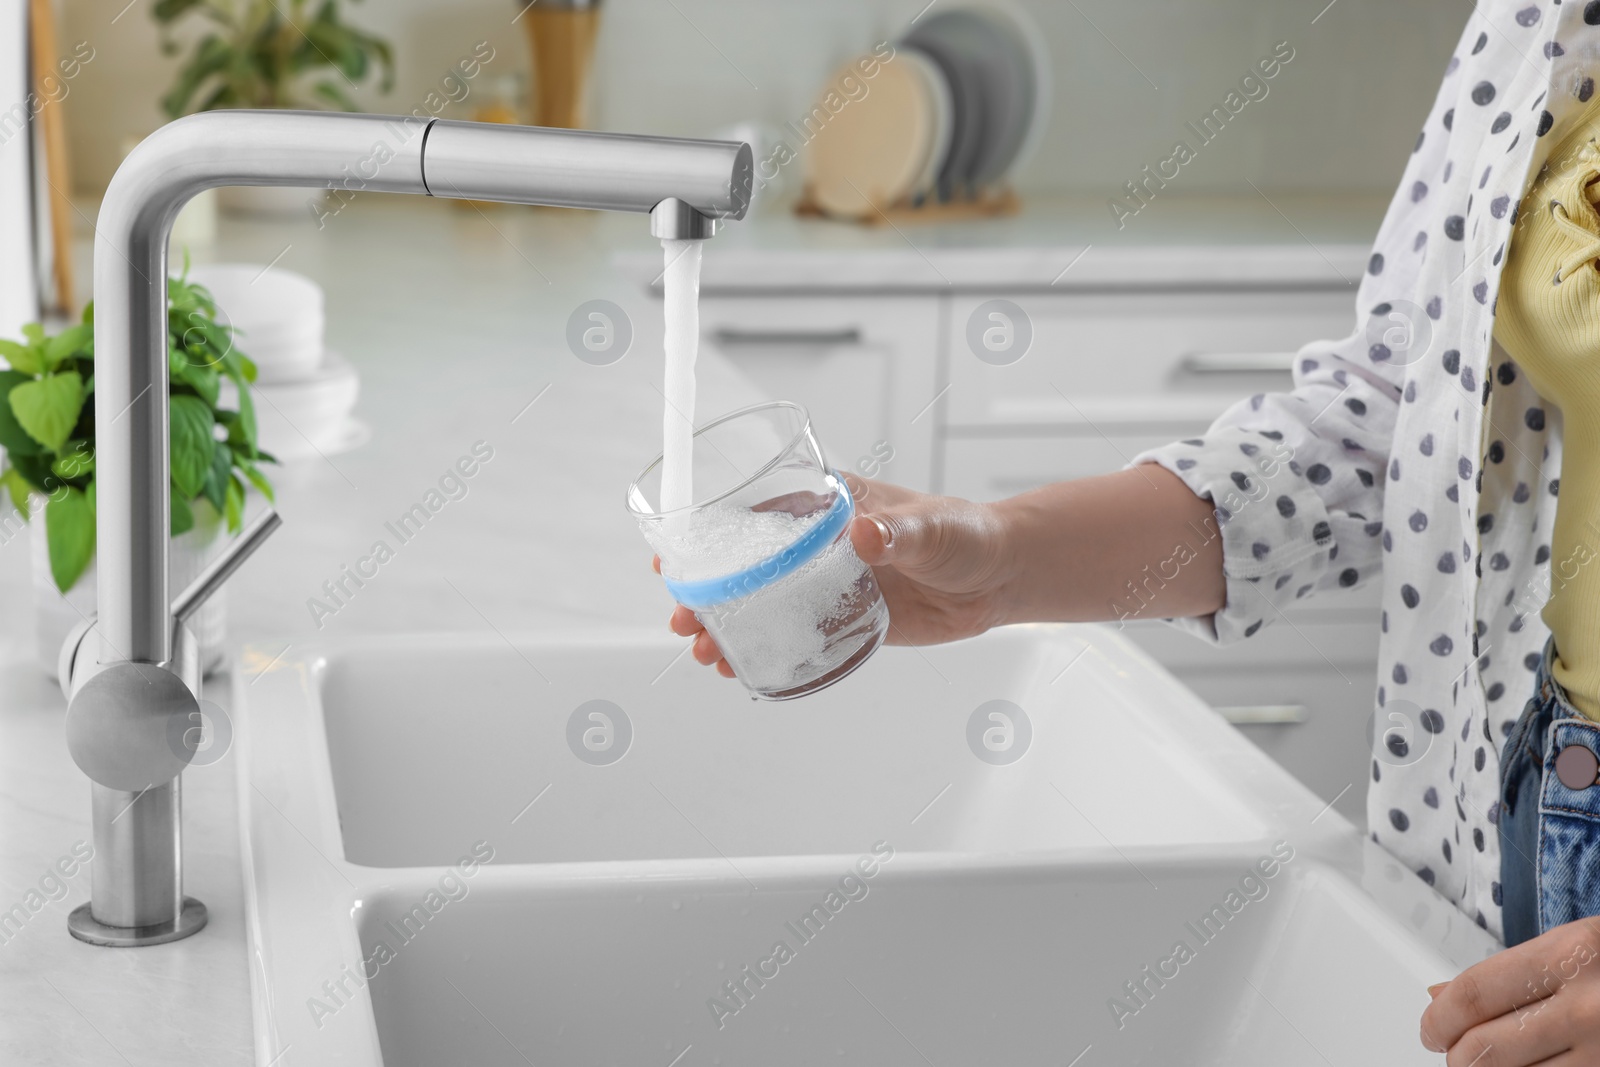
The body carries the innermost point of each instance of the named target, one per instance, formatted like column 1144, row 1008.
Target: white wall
column 1340, row 117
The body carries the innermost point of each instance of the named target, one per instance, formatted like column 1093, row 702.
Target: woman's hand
column 1537, row 1003
column 940, row 561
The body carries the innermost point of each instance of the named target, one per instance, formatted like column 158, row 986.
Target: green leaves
column 71, row 343
column 259, row 53
column 204, row 380
column 182, row 513
column 329, row 90
column 47, row 426
column 23, row 358
column 234, row 506
column 192, row 444
column 257, row 479
column 16, row 487
column 216, row 483
column 242, row 424
column 168, row 10
column 76, row 462
column 200, row 355
column 69, row 531
column 42, row 355
column 13, row 438
column 212, row 58
column 48, row 407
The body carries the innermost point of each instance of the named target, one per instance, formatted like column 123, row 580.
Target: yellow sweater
column 1548, row 319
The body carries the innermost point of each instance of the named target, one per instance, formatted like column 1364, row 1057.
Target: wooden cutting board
column 871, row 151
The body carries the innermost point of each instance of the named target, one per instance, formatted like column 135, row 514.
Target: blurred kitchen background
column 1144, row 306
column 1363, row 75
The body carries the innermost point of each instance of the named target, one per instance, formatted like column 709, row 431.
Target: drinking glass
column 763, row 557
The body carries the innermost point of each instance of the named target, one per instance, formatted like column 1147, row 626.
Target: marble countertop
column 456, row 319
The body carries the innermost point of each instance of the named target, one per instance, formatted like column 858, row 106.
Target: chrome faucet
column 132, row 673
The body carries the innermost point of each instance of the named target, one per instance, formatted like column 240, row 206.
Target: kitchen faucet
column 131, row 675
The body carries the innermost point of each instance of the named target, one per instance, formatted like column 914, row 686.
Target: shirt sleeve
column 1296, row 485
column 1296, row 478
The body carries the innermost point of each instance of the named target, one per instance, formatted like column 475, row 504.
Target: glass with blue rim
column 763, row 557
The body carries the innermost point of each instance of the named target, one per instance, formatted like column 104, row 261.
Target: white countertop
column 454, row 332
column 1062, row 244
column 456, row 321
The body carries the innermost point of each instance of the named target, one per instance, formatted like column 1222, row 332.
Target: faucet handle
column 183, row 608
column 119, row 726
column 221, row 569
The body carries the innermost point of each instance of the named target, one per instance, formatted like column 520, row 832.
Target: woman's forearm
column 1136, row 544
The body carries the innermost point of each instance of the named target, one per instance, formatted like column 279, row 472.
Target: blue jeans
column 1549, row 830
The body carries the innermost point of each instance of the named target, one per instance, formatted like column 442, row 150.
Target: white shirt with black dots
column 1413, row 453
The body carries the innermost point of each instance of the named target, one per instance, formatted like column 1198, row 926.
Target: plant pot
column 271, row 201
column 56, row 613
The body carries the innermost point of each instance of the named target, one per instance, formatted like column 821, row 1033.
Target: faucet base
column 84, row 927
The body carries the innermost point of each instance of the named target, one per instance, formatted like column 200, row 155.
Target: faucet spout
column 672, row 219
column 685, row 186
column 359, row 153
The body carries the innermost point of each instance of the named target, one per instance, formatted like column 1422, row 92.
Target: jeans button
column 1577, row 767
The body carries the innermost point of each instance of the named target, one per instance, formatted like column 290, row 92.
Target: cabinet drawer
column 992, row 468
column 1335, row 633
column 1328, row 750
column 864, row 368
column 1308, row 681
column 1167, row 355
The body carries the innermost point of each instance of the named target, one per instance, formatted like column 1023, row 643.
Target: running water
column 681, row 282
column 788, row 636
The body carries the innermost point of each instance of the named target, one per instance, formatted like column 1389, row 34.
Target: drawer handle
column 730, row 336
column 1265, row 714
column 1238, row 362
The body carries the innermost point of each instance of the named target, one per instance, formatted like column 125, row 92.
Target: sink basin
column 553, row 849
column 1004, row 966
column 435, row 745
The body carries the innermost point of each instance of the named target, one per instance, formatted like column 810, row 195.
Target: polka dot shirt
column 1414, row 454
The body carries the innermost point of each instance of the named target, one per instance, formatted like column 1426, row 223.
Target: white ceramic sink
column 433, row 747
column 988, row 966
column 604, row 901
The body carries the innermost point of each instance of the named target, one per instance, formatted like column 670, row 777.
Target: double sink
column 1031, row 847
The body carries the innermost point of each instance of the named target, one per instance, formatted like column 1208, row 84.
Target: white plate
column 943, row 112
column 968, row 125
column 999, row 75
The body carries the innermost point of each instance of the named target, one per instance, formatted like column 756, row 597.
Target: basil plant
column 47, row 425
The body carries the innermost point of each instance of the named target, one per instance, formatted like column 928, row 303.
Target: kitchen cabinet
column 865, row 367
column 1135, row 347
column 1110, row 374
column 1132, row 357
column 1300, row 689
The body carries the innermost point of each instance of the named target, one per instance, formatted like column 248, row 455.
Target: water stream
column 681, row 282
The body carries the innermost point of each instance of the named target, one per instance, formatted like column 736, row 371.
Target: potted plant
column 47, row 428
column 269, row 54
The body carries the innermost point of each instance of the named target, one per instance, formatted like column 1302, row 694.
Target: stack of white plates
column 961, row 103
column 304, row 392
